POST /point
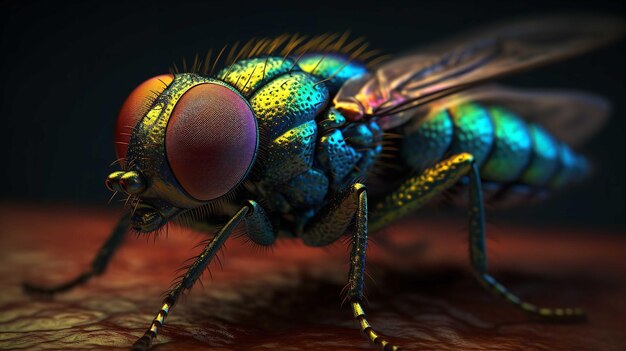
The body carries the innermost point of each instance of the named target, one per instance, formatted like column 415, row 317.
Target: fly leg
column 332, row 220
column 98, row 265
column 356, row 276
column 258, row 226
column 194, row 272
column 331, row 223
column 417, row 190
column 478, row 257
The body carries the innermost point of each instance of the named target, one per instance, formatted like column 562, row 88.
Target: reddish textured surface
column 288, row 298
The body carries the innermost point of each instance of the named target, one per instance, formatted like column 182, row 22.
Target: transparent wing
column 440, row 70
column 571, row 116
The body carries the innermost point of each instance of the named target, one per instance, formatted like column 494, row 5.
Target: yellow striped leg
column 418, row 190
column 478, row 257
column 189, row 279
column 568, row 314
column 368, row 331
column 145, row 341
column 357, row 271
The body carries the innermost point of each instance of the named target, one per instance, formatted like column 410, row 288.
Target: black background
column 67, row 67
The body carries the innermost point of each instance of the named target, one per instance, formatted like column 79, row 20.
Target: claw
column 142, row 344
column 37, row 291
column 562, row 315
column 368, row 331
column 43, row 291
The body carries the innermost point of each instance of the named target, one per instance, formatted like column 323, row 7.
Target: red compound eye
column 135, row 106
column 211, row 140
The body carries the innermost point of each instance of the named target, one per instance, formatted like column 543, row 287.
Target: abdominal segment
column 513, row 155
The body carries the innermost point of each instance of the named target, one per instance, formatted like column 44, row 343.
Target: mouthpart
column 146, row 219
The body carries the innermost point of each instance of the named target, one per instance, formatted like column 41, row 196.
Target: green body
column 507, row 149
column 309, row 152
column 310, row 174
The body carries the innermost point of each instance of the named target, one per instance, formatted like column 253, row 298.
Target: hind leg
column 478, row 257
column 98, row 265
column 418, row 190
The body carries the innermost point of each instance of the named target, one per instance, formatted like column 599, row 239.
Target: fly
column 300, row 138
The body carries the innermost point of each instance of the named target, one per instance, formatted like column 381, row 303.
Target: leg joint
column 358, row 188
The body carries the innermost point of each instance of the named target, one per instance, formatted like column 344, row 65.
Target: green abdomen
column 507, row 149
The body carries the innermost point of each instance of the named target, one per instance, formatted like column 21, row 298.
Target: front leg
column 98, row 265
column 189, row 279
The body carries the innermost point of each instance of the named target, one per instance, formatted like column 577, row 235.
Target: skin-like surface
column 289, row 298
